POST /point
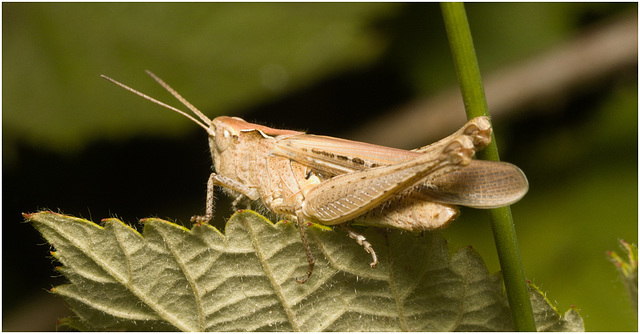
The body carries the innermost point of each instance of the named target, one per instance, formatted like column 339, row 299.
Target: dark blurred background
column 561, row 81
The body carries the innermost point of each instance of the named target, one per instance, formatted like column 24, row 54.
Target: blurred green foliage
column 241, row 54
column 76, row 142
column 627, row 265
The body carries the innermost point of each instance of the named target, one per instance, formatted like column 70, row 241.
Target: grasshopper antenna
column 202, row 124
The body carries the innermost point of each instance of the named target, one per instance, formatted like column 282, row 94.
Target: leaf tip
column 31, row 216
column 107, row 220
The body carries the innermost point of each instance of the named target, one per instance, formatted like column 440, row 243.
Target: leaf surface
column 172, row 278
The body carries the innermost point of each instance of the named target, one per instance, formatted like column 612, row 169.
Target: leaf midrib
column 269, row 274
column 190, row 279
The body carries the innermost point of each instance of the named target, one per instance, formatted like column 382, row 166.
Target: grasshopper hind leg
column 302, row 228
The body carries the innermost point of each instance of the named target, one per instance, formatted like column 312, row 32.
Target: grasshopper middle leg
column 362, row 241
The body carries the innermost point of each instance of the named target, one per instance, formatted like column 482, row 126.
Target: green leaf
column 547, row 316
column 172, row 278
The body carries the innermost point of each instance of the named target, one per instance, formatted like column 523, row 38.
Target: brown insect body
column 246, row 157
column 333, row 181
column 274, row 166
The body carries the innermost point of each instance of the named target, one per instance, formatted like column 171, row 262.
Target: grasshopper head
column 222, row 133
column 227, row 130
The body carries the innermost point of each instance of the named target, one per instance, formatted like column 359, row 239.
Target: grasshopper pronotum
column 332, row 181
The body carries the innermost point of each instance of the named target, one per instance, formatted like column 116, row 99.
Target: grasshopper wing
column 482, row 184
column 347, row 196
column 334, row 156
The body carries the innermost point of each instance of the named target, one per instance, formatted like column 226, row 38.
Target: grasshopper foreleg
column 225, row 182
column 362, row 241
column 210, row 202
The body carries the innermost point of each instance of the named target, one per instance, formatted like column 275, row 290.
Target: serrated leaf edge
column 97, row 259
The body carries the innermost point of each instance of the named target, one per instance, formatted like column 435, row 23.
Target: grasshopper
column 332, row 181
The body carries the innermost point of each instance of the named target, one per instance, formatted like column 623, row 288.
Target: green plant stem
column 468, row 72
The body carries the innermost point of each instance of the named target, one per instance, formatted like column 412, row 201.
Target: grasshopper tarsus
column 362, row 241
column 302, row 280
column 201, row 219
column 369, row 248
